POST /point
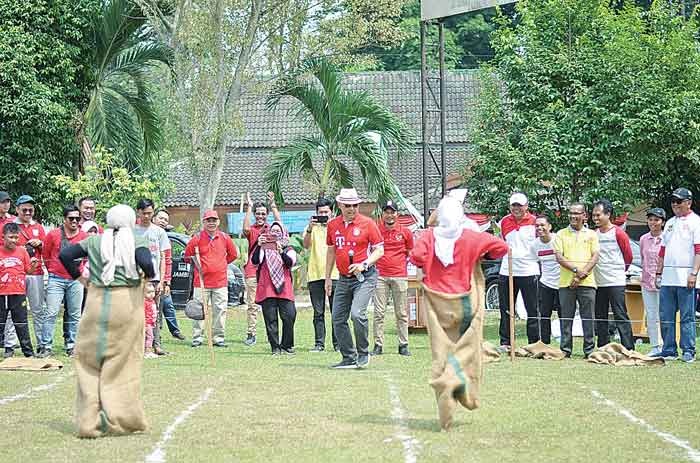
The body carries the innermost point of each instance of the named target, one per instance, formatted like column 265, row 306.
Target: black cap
column 657, row 212
column 4, row 196
column 682, row 193
column 390, row 205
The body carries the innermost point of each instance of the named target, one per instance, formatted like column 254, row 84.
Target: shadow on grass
column 415, row 424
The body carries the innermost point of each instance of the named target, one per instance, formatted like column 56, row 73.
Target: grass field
column 295, row 409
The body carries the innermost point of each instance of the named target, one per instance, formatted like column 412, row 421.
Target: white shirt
column 681, row 236
column 520, row 238
column 548, row 262
column 610, row 269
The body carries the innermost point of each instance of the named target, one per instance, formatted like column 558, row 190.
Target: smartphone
column 320, row 218
column 270, row 241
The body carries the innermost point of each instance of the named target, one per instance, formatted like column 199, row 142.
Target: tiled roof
column 266, row 130
column 243, row 173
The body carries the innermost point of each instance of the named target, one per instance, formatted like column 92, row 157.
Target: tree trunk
column 210, row 180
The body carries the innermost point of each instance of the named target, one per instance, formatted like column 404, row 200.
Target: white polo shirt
column 548, row 262
column 679, row 242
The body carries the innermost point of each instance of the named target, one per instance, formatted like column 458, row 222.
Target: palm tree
column 351, row 129
column 121, row 113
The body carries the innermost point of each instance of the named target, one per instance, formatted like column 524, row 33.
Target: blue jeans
column 59, row 290
column 169, row 313
column 672, row 299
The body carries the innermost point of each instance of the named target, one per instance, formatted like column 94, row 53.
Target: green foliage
column 121, row 114
column 45, row 49
column 351, row 128
column 584, row 101
column 110, row 183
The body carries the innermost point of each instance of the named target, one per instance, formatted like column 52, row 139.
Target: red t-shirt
column 456, row 278
column 358, row 235
column 29, row 232
column 249, row 270
column 14, row 266
column 168, row 255
column 52, row 248
column 398, row 243
column 149, row 311
column 9, row 218
column 215, row 253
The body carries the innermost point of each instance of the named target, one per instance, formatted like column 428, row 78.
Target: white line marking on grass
column 158, row 454
column 411, row 445
column 31, row 391
column 693, row 454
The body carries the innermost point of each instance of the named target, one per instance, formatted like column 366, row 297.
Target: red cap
column 210, row 214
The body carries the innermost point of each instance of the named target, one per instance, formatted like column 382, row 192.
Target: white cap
column 518, row 198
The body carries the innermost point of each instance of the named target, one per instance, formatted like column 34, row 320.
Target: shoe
column 654, row 352
column 345, row 364
column 220, row 344
column 69, row 353
column 150, row 355
column 289, row 351
column 196, row 343
column 667, row 357
column 178, row 335
column 403, row 350
column 318, row 348
column 687, row 357
column 362, row 361
column 46, row 352
column 503, row 349
column 9, row 352
column 336, row 348
column 39, row 351
column 250, row 340
column 29, row 354
column 276, row 351
column 378, row 350
column 159, row 351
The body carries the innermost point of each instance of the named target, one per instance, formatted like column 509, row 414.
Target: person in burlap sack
column 109, row 348
column 449, row 255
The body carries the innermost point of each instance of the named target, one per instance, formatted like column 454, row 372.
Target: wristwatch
column 364, row 266
column 575, row 270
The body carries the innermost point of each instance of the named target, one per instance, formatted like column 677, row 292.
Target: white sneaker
column 150, row 355
column 654, row 352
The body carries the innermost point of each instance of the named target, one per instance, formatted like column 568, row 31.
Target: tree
column 107, row 180
column 44, row 48
column 350, row 128
column 121, row 114
column 584, row 101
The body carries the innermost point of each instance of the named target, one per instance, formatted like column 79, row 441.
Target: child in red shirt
column 15, row 264
column 149, row 308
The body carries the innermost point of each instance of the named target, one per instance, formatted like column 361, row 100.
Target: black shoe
column 250, row 340
column 378, row 350
column 345, row 364
column 220, row 344
column 45, row 352
column 196, row 343
column 318, row 348
column 362, row 361
column 69, row 352
column 289, row 351
column 39, row 351
column 403, row 350
column 159, row 351
column 29, row 354
column 336, row 348
column 178, row 335
column 276, row 351
column 9, row 352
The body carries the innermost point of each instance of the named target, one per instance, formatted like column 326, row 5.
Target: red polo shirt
column 30, row 232
column 52, row 248
column 215, row 253
column 14, row 266
column 8, row 218
column 249, row 270
column 398, row 242
column 357, row 235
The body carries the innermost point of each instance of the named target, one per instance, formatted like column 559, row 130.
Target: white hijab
column 117, row 247
column 450, row 226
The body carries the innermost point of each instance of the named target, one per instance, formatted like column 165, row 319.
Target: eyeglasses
column 26, row 210
column 677, row 201
column 73, row 219
column 351, row 206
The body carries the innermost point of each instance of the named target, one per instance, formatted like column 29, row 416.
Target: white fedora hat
column 348, row 196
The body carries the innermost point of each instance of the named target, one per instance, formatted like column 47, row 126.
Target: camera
column 320, row 218
column 30, row 250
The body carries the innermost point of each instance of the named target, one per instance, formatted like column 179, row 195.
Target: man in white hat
column 354, row 245
column 518, row 230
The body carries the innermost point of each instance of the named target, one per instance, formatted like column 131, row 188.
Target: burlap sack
column 108, row 360
column 616, row 354
column 455, row 327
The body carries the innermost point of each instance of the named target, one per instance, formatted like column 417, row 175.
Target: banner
column 433, row 9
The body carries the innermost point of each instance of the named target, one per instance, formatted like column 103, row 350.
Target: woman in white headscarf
column 453, row 284
column 109, row 347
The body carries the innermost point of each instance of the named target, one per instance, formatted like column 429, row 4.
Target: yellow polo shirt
column 317, row 255
column 577, row 247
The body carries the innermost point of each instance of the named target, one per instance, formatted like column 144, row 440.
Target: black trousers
column 272, row 307
column 548, row 303
column 317, row 292
column 584, row 296
column 16, row 305
column 612, row 297
column 527, row 286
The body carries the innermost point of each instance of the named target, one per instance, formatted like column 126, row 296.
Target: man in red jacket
column 393, row 278
column 216, row 251
column 61, row 286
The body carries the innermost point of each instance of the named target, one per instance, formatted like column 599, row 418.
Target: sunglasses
column 73, row 219
column 351, row 206
column 26, row 210
column 677, row 201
